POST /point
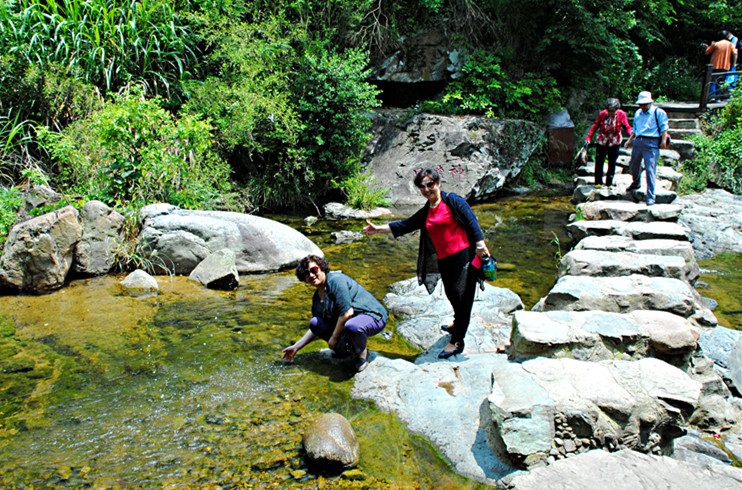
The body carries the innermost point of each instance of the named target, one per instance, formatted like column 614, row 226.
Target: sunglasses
column 313, row 270
column 429, row 185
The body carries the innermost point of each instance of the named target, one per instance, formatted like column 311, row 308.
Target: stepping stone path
column 599, row 380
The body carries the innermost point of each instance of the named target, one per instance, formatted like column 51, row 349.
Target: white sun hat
column 644, row 98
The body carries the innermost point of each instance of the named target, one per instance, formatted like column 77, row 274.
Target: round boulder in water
column 331, row 443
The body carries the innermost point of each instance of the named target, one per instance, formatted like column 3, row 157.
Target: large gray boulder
column 714, row 219
column 625, row 470
column 178, row 240
column 38, row 252
column 562, row 407
column 443, row 401
column 37, row 197
column 427, row 56
column 476, row 156
column 101, row 237
column 331, row 443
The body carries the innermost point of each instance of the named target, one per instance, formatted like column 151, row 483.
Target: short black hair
column 434, row 176
column 302, row 270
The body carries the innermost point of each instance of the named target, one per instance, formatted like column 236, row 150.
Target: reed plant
column 111, row 42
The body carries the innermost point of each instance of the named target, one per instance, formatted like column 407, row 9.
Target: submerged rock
column 331, row 443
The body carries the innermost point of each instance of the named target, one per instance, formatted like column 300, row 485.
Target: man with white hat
column 650, row 128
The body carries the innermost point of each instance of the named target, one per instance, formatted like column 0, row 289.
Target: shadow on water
column 187, row 389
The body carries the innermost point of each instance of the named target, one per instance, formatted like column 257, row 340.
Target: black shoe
column 361, row 365
column 632, row 187
column 458, row 350
column 447, row 328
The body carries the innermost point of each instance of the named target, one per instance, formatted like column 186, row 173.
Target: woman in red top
column 451, row 248
column 608, row 140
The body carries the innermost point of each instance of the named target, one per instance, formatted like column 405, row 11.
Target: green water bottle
column 489, row 267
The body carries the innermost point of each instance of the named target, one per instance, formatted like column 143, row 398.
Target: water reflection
column 721, row 279
column 187, row 389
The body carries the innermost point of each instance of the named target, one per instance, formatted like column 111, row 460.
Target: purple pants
column 356, row 331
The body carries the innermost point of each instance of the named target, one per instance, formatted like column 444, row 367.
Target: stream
column 187, row 389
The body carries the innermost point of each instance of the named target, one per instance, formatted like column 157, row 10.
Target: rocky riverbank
column 617, row 374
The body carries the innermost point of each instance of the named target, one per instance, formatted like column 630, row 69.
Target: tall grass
column 15, row 137
column 112, row 42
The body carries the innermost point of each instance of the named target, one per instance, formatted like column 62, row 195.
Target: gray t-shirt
column 343, row 293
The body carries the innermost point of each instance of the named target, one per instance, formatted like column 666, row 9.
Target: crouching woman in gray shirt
column 343, row 312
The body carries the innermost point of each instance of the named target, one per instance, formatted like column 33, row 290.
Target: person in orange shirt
column 723, row 57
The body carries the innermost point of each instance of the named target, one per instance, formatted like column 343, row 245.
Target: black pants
column 459, row 282
column 600, row 154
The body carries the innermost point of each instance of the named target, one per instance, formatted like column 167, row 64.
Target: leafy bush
column 133, row 152
column 718, row 153
column 486, row 88
column 675, row 79
column 364, row 192
column 10, row 201
column 289, row 117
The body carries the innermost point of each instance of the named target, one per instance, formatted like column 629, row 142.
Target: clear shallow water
column 186, row 389
column 723, row 276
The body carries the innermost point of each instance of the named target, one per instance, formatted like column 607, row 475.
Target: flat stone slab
column 625, row 470
column 622, row 181
column 442, row 402
column 598, row 263
column 625, row 294
column 422, row 315
column 586, row 193
column 598, row 335
column 657, row 246
column 546, row 407
column 628, row 211
column 634, row 229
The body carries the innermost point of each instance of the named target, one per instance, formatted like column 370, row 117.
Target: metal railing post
column 705, row 88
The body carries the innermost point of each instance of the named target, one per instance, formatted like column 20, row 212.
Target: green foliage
column 133, row 152
column 718, row 153
column 289, row 119
column 363, row 192
column 111, row 42
column 486, row 88
column 10, row 201
column 674, row 78
column 333, row 100
column 15, row 136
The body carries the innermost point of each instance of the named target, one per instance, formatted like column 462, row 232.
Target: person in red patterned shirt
column 608, row 140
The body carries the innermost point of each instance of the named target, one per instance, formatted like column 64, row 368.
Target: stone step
column 656, row 246
column 691, row 123
column 597, row 263
column 628, row 211
column 638, row 230
column 597, row 336
column 625, row 294
column 622, row 181
column 663, row 172
column 587, row 193
column 683, row 134
column 669, row 158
